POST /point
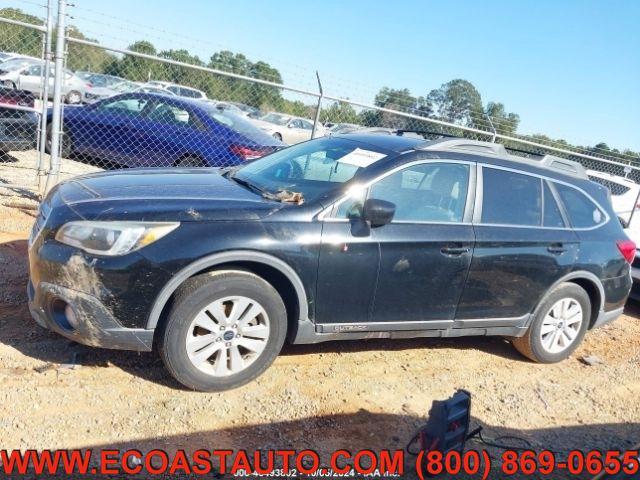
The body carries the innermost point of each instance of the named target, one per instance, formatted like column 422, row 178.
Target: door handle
column 454, row 251
column 556, row 249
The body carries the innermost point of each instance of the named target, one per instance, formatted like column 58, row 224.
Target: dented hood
column 169, row 194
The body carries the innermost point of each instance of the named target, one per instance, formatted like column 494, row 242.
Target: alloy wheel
column 561, row 325
column 227, row 336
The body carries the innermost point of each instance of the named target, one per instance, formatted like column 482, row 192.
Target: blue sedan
column 154, row 130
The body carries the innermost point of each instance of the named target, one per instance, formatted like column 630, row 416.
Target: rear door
column 31, row 79
column 523, row 246
column 168, row 132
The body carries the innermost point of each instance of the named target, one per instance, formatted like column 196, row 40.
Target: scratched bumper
column 94, row 325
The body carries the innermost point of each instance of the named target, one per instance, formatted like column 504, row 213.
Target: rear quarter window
column 582, row 211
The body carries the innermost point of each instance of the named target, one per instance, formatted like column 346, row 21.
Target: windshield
column 240, row 125
column 311, row 168
column 276, row 118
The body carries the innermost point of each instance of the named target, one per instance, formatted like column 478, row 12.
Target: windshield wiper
column 247, row 184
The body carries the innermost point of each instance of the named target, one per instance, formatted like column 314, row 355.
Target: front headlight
column 112, row 238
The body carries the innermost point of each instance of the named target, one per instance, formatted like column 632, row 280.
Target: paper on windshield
column 361, row 158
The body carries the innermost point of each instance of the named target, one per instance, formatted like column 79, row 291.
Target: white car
column 26, row 74
column 624, row 198
column 4, row 56
column 624, row 195
column 287, row 128
column 179, row 90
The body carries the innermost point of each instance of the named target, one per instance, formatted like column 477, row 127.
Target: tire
column 277, row 136
column 9, row 84
column 66, row 149
column 235, row 352
column 554, row 332
column 73, row 97
column 190, row 162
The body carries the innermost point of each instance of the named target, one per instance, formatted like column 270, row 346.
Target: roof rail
column 466, row 145
column 561, row 165
column 566, row 166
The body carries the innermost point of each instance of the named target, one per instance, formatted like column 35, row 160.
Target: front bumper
column 94, row 323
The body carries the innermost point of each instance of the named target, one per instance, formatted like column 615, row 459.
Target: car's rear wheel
column 66, row 143
column 9, row 84
column 224, row 329
column 73, row 97
column 558, row 326
column 190, row 162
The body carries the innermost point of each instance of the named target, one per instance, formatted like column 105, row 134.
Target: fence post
column 56, row 115
column 45, row 96
column 317, row 119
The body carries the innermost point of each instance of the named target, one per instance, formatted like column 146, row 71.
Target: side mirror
column 378, row 212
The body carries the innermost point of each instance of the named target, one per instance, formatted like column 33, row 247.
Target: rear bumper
column 94, row 323
column 607, row 317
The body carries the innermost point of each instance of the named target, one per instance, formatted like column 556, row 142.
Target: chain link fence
column 134, row 107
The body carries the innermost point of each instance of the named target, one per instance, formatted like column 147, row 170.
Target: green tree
column 457, row 101
column 339, row 112
column 255, row 94
column 136, row 68
column 17, row 39
column 504, row 123
column 85, row 57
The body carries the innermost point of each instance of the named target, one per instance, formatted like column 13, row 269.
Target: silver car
column 27, row 74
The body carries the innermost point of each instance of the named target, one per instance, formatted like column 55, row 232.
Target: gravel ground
column 350, row 395
column 19, row 182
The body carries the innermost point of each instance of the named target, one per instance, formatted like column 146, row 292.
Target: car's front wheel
column 224, row 329
column 559, row 324
column 66, row 143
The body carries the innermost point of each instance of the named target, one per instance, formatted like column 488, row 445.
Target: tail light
column 627, row 249
column 247, row 153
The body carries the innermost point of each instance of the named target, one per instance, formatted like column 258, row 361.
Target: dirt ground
column 360, row 394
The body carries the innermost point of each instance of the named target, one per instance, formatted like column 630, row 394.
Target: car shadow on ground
column 20, row 331
column 376, row 432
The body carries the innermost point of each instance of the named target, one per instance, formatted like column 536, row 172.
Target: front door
column 410, row 273
column 108, row 129
column 425, row 252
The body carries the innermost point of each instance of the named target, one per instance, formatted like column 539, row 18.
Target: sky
column 569, row 68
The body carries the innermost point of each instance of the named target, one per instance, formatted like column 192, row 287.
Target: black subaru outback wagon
column 343, row 237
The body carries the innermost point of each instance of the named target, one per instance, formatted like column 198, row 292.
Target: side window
column 431, row 192
column 34, row 71
column 126, row 106
column 306, row 125
column 170, row 114
column 174, row 89
column 583, row 213
column 552, row 215
column 296, row 123
column 511, row 198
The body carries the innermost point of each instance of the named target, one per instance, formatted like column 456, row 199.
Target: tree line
column 457, row 101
